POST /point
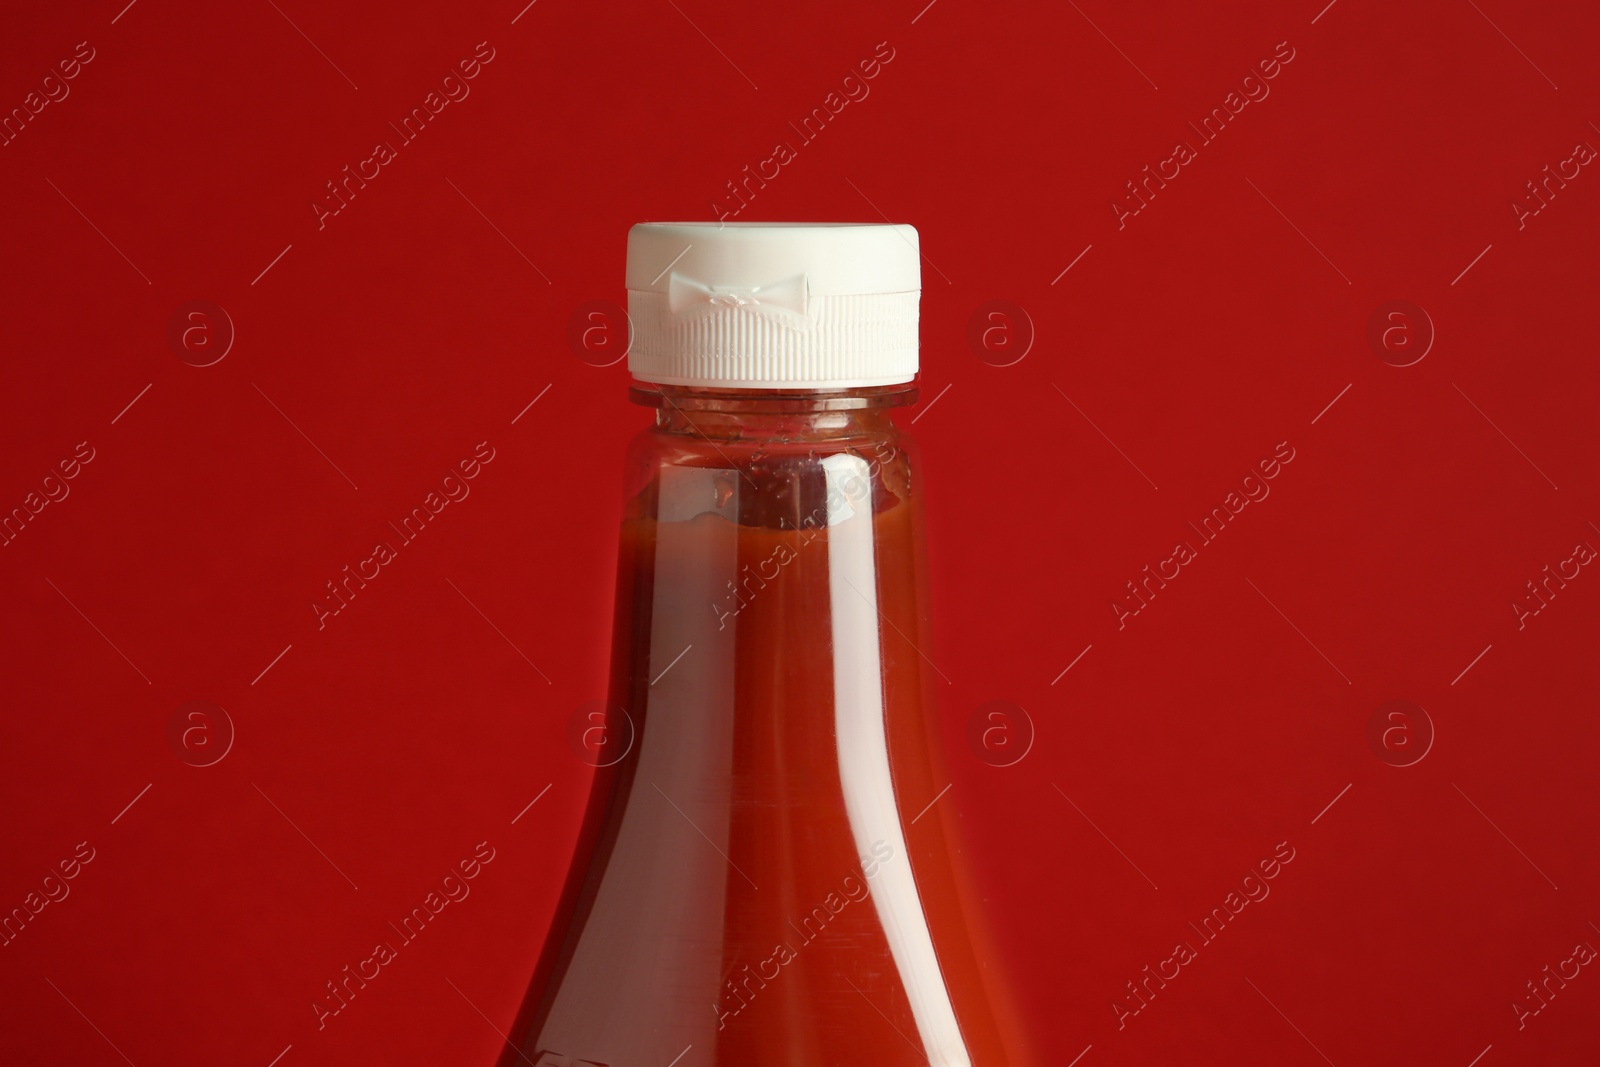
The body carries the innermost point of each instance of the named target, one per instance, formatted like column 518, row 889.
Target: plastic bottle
column 764, row 877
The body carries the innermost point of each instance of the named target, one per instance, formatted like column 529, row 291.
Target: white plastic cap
column 772, row 305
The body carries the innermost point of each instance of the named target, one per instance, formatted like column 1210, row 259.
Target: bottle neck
column 728, row 414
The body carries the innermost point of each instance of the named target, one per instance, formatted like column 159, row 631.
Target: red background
column 1222, row 319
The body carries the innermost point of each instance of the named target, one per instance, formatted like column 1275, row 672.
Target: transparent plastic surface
column 767, row 874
